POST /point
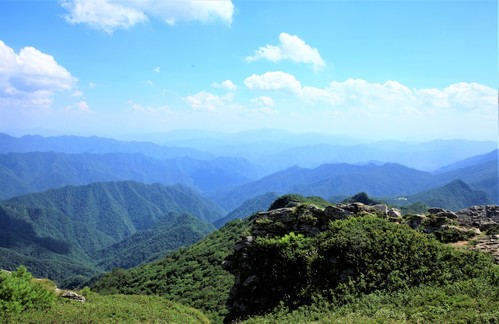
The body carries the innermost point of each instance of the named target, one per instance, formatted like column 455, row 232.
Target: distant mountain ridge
column 389, row 179
column 94, row 144
column 37, row 171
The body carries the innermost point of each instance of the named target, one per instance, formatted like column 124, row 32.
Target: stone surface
column 73, row 296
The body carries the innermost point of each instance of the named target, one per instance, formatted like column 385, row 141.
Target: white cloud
column 273, row 81
column 263, row 101
column 292, row 48
column 227, row 85
column 157, row 69
column 147, row 109
column 391, row 97
column 207, row 101
column 92, row 85
column 31, row 77
column 81, row 107
column 102, row 14
column 462, row 96
column 109, row 15
column 149, row 83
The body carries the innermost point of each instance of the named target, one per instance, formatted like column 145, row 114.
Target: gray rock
column 73, row 296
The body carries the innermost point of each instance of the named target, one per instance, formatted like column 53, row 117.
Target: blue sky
column 414, row 70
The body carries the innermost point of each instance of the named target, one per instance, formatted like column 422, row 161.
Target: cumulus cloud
column 102, row 14
column 81, row 107
column 157, row 69
column 292, row 48
column 207, row 101
column 263, row 101
column 31, row 77
column 273, row 81
column 109, row 15
column 390, row 97
column 226, row 85
column 463, row 96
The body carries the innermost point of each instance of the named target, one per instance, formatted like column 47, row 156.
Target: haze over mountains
column 83, row 205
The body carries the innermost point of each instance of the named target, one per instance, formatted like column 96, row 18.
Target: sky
column 409, row 70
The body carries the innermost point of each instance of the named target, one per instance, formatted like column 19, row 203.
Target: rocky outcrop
column 489, row 244
column 481, row 217
column 253, row 291
column 250, row 292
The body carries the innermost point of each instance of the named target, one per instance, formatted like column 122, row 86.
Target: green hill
column 80, row 231
column 453, row 196
column 192, row 276
column 172, row 231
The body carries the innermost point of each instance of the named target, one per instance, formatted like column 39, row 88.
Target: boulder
column 73, row 296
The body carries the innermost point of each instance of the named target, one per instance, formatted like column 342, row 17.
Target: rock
column 447, row 214
column 436, row 210
column 380, row 209
column 73, row 296
column 486, row 225
column 416, row 221
column 393, row 212
column 476, row 216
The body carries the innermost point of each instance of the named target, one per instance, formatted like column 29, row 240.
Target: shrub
column 19, row 292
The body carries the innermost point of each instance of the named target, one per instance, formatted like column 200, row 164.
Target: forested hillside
column 80, row 231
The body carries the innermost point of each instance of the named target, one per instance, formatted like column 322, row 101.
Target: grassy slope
column 114, row 309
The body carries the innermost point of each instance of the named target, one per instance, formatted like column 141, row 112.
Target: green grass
column 114, row 309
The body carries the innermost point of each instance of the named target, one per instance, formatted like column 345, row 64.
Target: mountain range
column 75, row 206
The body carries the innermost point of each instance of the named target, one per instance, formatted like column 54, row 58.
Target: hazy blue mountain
column 469, row 162
column 249, row 207
column 333, row 179
column 22, row 173
column 483, row 176
column 94, row 144
column 340, row 179
column 427, row 156
column 455, row 195
column 250, row 144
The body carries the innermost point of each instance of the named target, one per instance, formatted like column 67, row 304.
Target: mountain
column 249, row 207
column 94, row 144
column 22, row 173
column 483, row 176
column 453, row 196
column 94, row 226
column 426, row 156
column 334, row 179
column 172, row 231
column 378, row 180
column 474, row 160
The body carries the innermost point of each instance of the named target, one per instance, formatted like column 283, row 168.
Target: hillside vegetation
column 297, row 264
column 192, row 276
column 81, row 231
